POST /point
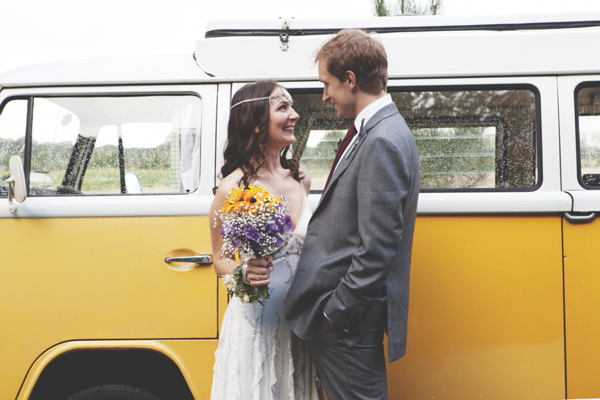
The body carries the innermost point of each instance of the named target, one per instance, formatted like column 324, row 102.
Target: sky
column 38, row 31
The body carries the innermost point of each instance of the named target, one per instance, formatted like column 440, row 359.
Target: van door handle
column 580, row 218
column 200, row 259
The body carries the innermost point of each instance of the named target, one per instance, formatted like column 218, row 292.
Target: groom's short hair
column 357, row 51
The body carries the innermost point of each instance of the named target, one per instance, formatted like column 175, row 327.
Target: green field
column 106, row 180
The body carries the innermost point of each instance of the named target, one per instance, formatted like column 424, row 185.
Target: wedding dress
column 258, row 358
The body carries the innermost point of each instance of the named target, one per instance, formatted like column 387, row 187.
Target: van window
column 468, row 139
column 115, row 145
column 588, row 135
column 13, row 121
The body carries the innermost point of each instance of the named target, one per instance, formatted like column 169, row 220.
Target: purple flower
column 287, row 224
column 256, row 247
column 272, row 226
column 251, row 233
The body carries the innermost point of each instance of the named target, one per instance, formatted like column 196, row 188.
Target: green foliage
column 381, row 9
column 317, row 160
column 455, row 158
column 105, row 180
column 9, row 148
column 102, row 173
column 50, row 156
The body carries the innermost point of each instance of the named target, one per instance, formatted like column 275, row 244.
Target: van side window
column 468, row 139
column 13, row 123
column 588, row 135
column 115, row 145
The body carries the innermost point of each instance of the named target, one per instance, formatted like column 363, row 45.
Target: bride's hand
column 258, row 272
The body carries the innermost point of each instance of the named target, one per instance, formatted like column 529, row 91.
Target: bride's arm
column 257, row 268
column 222, row 265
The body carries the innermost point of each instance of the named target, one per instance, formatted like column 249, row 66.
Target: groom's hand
column 258, row 272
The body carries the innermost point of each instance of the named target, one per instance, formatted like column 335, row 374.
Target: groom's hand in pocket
column 258, row 272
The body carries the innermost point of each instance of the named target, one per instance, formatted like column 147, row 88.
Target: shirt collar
column 371, row 110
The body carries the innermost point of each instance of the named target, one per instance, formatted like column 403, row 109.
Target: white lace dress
column 258, row 358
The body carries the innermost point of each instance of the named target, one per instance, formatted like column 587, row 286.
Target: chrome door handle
column 580, row 218
column 201, row 259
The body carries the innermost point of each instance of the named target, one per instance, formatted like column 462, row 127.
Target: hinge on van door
column 284, row 37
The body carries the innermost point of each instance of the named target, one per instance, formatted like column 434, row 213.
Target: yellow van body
column 120, row 158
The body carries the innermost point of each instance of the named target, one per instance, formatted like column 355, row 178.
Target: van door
column 580, row 142
column 119, row 182
column 486, row 295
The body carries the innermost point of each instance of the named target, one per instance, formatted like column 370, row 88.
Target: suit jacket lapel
column 385, row 112
column 345, row 161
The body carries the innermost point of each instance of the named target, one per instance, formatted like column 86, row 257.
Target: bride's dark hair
column 245, row 149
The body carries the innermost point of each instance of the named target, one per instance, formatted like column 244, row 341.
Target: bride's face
column 282, row 118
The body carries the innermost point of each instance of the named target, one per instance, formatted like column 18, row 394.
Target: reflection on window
column 473, row 139
column 467, row 139
column 115, row 145
column 318, row 132
column 13, row 122
column 588, row 102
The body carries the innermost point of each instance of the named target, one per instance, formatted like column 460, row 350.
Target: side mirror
column 16, row 183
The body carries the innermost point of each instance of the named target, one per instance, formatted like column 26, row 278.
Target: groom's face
column 337, row 92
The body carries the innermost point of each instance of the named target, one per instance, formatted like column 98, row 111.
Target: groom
column 352, row 280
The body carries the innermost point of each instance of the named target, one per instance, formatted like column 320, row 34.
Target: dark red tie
column 340, row 150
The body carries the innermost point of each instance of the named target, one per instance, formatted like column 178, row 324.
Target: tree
column 381, row 9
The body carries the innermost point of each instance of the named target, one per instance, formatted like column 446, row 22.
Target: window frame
column 578, row 88
column 537, row 137
column 213, row 96
column 30, row 98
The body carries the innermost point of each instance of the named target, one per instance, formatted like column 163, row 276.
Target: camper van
column 108, row 166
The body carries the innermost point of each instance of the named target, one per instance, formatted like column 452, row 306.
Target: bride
column 258, row 356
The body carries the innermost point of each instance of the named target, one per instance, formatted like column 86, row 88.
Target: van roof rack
column 399, row 24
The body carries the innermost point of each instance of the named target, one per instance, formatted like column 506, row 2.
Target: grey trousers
column 356, row 372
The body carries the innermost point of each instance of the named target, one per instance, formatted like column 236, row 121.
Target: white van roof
column 417, row 47
column 178, row 68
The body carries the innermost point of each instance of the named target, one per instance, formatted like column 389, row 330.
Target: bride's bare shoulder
column 305, row 179
column 231, row 181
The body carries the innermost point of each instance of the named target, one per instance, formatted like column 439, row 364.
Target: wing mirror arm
column 17, row 189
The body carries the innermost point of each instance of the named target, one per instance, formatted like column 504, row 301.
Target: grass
column 107, row 180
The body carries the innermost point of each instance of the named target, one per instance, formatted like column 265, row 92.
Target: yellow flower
column 249, row 199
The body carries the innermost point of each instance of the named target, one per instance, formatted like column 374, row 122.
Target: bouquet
column 255, row 224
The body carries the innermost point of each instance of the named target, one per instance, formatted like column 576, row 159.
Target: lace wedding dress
column 258, row 358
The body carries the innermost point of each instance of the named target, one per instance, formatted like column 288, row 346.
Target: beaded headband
column 285, row 97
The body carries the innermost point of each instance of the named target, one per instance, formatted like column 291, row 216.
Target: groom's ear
column 350, row 79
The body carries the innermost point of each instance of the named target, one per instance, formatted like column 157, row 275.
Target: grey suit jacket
column 355, row 264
